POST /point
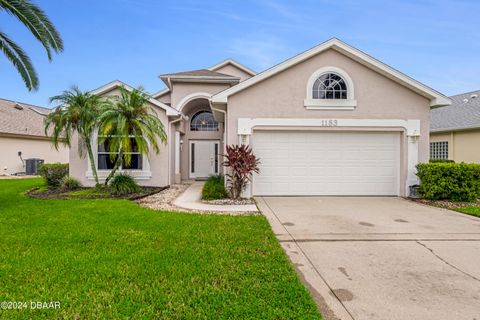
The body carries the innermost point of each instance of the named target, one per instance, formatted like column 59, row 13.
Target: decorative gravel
column 164, row 199
column 230, row 201
column 445, row 203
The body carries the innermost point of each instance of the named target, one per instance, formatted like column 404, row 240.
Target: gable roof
column 436, row 98
column 117, row 83
column 209, row 71
column 463, row 113
column 21, row 118
column 234, row 63
column 200, row 73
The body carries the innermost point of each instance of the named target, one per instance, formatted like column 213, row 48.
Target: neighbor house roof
column 209, row 73
column 117, row 83
column 19, row 118
column 463, row 113
column 436, row 98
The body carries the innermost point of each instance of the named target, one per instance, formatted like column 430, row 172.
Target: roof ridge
column 25, row 103
column 461, row 94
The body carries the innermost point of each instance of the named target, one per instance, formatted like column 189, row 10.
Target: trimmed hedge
column 214, row 188
column 53, row 173
column 449, row 181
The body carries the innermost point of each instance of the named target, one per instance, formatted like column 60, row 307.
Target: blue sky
column 435, row 41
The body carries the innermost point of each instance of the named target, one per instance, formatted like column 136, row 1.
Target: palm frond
column 20, row 61
column 37, row 22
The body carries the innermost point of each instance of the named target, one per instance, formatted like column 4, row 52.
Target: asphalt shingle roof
column 22, row 118
column 198, row 73
column 463, row 113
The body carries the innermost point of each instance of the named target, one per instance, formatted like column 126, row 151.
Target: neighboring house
column 22, row 130
column 455, row 129
column 329, row 121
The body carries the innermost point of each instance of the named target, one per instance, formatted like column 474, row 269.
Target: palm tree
column 77, row 113
column 40, row 26
column 127, row 121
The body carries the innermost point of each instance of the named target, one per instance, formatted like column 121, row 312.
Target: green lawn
column 471, row 210
column 111, row 259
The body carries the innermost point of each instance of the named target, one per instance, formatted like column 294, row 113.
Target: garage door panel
column 326, row 163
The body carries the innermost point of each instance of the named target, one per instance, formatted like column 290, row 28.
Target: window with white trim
column 203, row 121
column 105, row 162
column 329, row 86
column 439, row 150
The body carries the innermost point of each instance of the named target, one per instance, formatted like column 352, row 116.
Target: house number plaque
column 329, row 123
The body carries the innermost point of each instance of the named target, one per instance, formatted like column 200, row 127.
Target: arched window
column 203, row 121
column 329, row 86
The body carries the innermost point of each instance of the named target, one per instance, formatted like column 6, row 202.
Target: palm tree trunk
column 118, row 162
column 92, row 159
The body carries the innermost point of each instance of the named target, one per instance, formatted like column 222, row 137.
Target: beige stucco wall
column 165, row 98
column 159, row 163
column 282, row 96
column 31, row 148
column 182, row 89
column 463, row 146
column 234, row 71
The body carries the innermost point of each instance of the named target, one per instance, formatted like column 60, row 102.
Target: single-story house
column 455, row 129
column 329, row 121
column 22, row 136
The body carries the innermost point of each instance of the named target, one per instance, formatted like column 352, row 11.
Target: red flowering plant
column 241, row 163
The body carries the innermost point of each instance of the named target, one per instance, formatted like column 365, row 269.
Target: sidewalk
column 190, row 199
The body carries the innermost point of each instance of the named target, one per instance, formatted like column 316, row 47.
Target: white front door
column 203, row 158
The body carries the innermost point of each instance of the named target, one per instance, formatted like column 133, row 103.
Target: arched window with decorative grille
column 203, row 121
column 329, row 86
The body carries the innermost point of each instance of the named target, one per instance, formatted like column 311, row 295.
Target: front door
column 203, row 158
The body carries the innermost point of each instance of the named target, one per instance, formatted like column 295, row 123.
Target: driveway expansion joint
column 448, row 263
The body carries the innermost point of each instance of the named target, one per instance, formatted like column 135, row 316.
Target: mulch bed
column 447, row 204
column 62, row 194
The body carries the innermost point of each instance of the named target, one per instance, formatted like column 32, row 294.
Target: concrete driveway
column 381, row 258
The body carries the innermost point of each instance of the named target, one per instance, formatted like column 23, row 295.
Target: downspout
column 170, row 123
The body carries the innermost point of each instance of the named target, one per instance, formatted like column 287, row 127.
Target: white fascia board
column 117, row 83
column 442, row 130
column 161, row 92
column 435, row 97
column 234, row 63
column 246, row 125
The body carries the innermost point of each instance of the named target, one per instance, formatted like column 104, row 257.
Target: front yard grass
column 471, row 210
column 111, row 259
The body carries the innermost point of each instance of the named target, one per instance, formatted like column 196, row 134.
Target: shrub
column 53, row 173
column 440, row 161
column 214, row 188
column 69, row 183
column 452, row 181
column 241, row 163
column 123, row 184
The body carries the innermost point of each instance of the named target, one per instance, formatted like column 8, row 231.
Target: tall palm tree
column 77, row 113
column 127, row 121
column 41, row 28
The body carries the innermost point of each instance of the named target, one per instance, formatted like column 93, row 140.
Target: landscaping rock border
column 447, row 204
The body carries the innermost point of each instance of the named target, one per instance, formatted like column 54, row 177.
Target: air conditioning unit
column 32, row 165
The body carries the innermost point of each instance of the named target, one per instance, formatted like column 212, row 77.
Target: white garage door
column 326, row 163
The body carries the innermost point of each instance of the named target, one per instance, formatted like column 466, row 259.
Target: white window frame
column 143, row 174
column 439, row 149
column 330, row 104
